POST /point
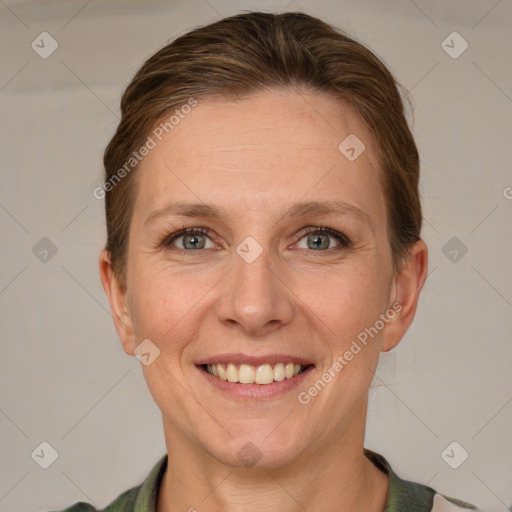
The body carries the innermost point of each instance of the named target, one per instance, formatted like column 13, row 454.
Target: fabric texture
column 403, row 495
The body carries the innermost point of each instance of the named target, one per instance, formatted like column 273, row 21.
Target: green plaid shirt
column 403, row 495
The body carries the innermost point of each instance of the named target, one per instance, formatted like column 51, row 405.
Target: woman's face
column 261, row 286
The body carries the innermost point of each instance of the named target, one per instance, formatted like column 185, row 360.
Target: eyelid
column 343, row 239
column 170, row 238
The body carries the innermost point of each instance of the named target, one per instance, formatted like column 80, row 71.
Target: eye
column 318, row 238
column 189, row 239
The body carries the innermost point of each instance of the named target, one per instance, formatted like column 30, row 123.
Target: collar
column 402, row 494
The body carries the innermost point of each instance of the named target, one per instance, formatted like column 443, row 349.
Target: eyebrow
column 304, row 209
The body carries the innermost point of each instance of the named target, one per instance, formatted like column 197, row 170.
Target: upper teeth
column 248, row 374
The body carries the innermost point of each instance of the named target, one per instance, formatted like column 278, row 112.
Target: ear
column 408, row 283
column 116, row 293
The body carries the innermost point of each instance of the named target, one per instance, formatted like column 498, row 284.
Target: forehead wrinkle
column 329, row 208
column 304, row 209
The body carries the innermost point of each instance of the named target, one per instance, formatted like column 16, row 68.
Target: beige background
column 64, row 377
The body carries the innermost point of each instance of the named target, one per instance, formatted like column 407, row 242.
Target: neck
column 334, row 475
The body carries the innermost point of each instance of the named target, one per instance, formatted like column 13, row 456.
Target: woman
column 263, row 223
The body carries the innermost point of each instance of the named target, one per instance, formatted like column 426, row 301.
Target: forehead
column 270, row 146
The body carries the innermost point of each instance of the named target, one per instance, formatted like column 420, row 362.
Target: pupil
column 194, row 240
column 318, row 242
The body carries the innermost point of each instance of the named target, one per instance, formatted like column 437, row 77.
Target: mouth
column 251, row 377
column 262, row 374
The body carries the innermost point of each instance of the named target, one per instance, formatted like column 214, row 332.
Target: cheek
column 348, row 300
column 166, row 308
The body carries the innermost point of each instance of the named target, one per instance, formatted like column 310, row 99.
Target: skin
column 256, row 157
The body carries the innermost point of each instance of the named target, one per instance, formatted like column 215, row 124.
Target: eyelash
column 344, row 241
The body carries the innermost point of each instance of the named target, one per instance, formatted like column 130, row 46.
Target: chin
column 264, row 449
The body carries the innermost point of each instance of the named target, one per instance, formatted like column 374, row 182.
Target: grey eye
column 320, row 240
column 193, row 241
column 190, row 240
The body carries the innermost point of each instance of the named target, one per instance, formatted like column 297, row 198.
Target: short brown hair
column 241, row 54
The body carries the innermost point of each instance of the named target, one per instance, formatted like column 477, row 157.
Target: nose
column 254, row 297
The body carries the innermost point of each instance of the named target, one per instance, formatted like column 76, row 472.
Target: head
column 243, row 122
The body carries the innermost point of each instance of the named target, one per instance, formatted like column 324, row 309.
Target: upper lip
column 254, row 360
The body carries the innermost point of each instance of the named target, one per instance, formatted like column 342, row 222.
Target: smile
column 263, row 374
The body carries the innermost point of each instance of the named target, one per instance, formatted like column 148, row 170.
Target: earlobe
column 116, row 294
column 407, row 285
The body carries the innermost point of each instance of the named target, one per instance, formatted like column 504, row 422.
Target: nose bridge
column 253, row 275
column 255, row 296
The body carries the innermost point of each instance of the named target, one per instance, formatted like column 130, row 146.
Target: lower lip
column 255, row 391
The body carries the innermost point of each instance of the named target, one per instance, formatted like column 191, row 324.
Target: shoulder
column 123, row 503
column 408, row 496
column 142, row 497
column 442, row 503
